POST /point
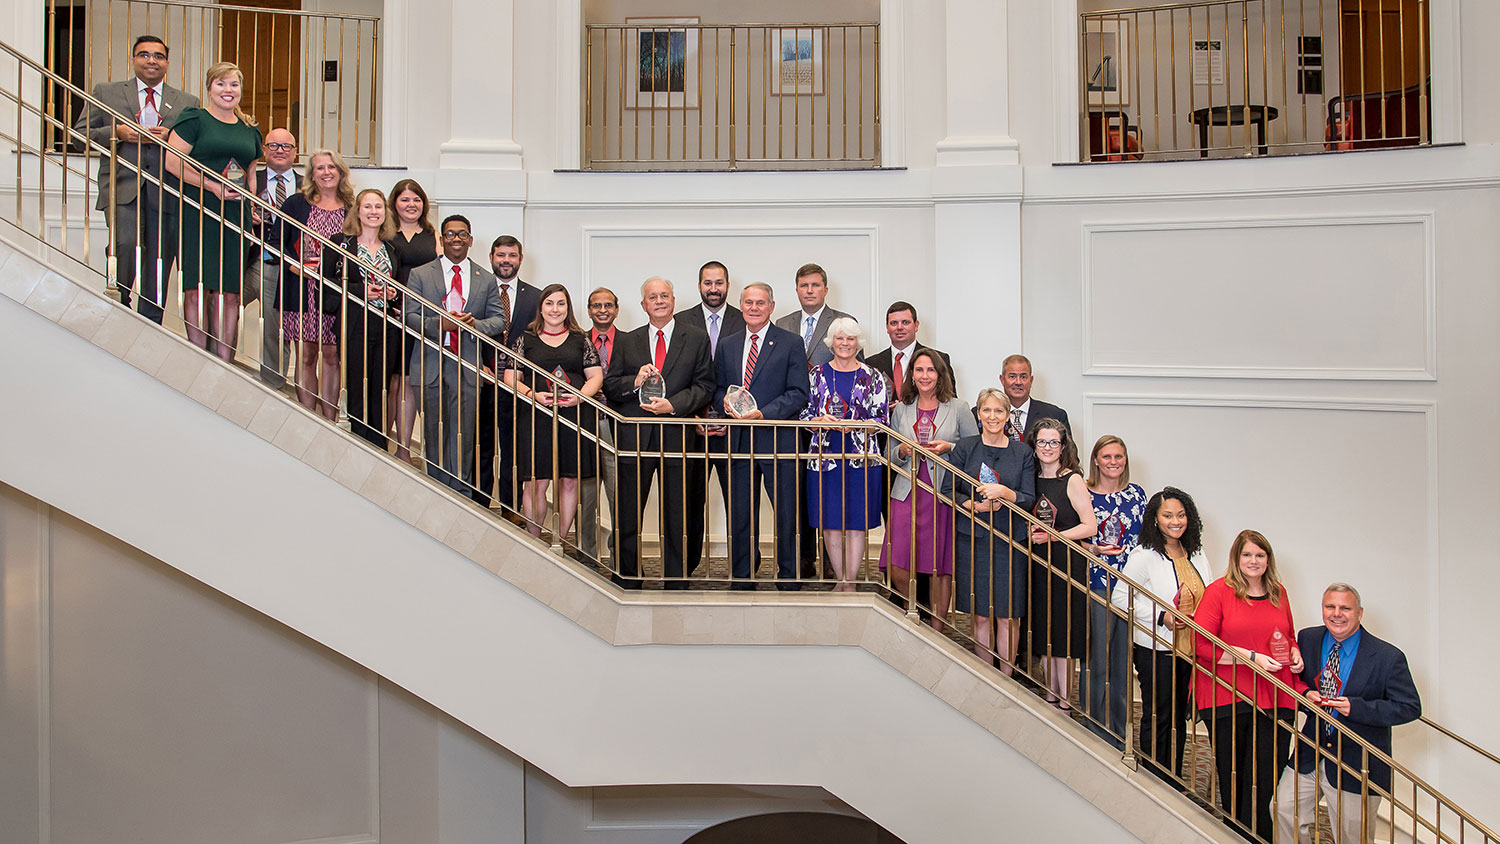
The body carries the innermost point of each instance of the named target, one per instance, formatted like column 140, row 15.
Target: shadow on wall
column 796, row 828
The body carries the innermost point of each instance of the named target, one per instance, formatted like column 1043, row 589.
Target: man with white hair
column 1362, row 683
column 679, row 354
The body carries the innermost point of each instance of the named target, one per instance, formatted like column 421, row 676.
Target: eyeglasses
column 278, row 147
column 602, row 306
column 1049, row 443
column 457, row 236
column 147, row 54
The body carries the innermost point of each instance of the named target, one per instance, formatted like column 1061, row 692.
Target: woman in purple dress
column 843, row 494
column 931, row 414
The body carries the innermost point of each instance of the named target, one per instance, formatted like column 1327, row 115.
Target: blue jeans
column 1103, row 685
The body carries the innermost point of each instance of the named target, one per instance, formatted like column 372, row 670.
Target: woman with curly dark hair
column 1169, row 565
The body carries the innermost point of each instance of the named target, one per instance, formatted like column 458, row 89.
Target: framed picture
column 661, row 63
column 797, row 60
column 1106, row 60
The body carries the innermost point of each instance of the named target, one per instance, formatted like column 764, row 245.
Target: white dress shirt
column 666, row 331
column 142, row 116
column 454, row 301
column 760, row 348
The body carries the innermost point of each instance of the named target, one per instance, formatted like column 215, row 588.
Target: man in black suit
column 770, row 363
column 278, row 180
column 1363, row 683
column 518, row 304
column 1015, row 380
column 718, row 319
column 680, row 354
column 901, row 327
column 142, row 222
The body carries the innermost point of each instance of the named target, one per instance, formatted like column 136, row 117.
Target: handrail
column 300, row 13
column 612, row 418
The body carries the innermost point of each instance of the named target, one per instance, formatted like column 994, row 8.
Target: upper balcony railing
column 315, row 73
column 1227, row 78
column 669, row 95
column 1000, row 546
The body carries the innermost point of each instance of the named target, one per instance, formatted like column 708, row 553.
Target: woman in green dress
column 224, row 139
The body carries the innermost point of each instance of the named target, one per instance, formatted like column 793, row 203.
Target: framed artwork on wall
column 661, row 63
column 796, row 60
column 1106, row 61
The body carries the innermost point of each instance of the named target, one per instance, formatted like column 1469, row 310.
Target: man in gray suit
column 811, row 324
column 455, row 293
column 142, row 225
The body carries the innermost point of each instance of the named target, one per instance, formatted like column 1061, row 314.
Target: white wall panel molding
column 892, row 82
column 1420, row 627
column 1316, row 305
column 822, row 189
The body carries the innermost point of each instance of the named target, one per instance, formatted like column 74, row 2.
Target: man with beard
column 518, row 306
column 717, row 318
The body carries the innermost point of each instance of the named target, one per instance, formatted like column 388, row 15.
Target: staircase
column 170, row 450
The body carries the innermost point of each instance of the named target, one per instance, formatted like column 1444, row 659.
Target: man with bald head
column 679, row 353
column 277, row 180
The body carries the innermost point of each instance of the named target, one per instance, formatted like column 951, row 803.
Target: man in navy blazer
column 779, row 383
column 1363, row 683
column 519, row 302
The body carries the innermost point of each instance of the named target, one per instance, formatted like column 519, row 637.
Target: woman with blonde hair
column 311, row 306
column 223, row 139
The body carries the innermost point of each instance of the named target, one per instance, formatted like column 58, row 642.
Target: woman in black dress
column 989, row 573
column 1059, row 576
column 555, row 345
column 415, row 244
column 373, row 340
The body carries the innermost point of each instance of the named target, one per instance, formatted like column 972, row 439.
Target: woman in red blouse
column 1249, row 719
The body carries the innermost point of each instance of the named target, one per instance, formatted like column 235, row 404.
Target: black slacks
column 1165, row 690
column 1251, row 747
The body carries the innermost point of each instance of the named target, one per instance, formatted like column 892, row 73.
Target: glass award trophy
column 740, row 400
column 1045, row 512
column 925, row 430
column 837, row 407
column 1112, row 532
column 654, row 387
column 715, row 430
column 234, row 174
column 1280, row 647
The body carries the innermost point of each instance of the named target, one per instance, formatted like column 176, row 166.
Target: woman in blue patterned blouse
column 1119, row 507
column 843, row 494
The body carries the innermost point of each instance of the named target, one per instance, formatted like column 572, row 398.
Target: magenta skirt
column 934, row 547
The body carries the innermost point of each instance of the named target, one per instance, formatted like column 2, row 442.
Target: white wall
column 141, row 705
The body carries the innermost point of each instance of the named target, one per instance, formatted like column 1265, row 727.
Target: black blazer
column 689, row 377
column 884, row 363
column 342, row 272
column 780, row 385
column 1381, row 695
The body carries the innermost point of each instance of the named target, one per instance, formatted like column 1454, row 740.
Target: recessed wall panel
column 1342, row 298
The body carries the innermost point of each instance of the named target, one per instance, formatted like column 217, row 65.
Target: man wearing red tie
column 142, row 222
column 604, row 307
column 457, row 298
column 678, row 354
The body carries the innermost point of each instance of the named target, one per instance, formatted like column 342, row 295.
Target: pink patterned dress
column 311, row 324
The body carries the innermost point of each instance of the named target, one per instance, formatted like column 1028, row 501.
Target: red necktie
column 750, row 359
column 897, row 372
column 660, row 358
column 458, row 288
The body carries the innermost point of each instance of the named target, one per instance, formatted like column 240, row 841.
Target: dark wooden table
column 1233, row 115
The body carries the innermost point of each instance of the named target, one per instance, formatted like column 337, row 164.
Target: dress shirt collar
column 448, row 274
column 907, row 352
column 817, row 317
column 608, row 333
column 141, row 87
column 723, row 313
column 665, row 329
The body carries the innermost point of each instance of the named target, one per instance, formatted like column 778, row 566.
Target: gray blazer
column 818, row 352
column 483, row 302
column 124, row 101
column 953, row 421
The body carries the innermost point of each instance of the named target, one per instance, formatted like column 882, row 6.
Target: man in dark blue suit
column 771, row 363
column 1363, row 683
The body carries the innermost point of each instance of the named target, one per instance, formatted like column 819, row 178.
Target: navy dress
column 989, row 573
column 846, row 496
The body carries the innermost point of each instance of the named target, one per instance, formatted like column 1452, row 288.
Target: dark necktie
column 280, row 189
column 505, row 307
column 1328, row 678
column 601, row 342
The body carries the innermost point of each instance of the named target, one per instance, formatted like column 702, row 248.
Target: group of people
column 516, row 403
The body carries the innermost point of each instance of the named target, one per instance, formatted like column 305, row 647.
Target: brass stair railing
column 49, row 189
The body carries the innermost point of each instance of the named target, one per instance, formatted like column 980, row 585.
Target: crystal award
column 1280, row 647
column 234, row 174
column 987, row 476
column 715, row 430
column 1111, row 532
column 1045, row 512
column 925, row 429
column 740, row 400
column 654, row 387
column 837, row 407
column 560, row 377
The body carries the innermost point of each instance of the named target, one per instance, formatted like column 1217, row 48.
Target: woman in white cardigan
column 927, row 409
column 1170, row 567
